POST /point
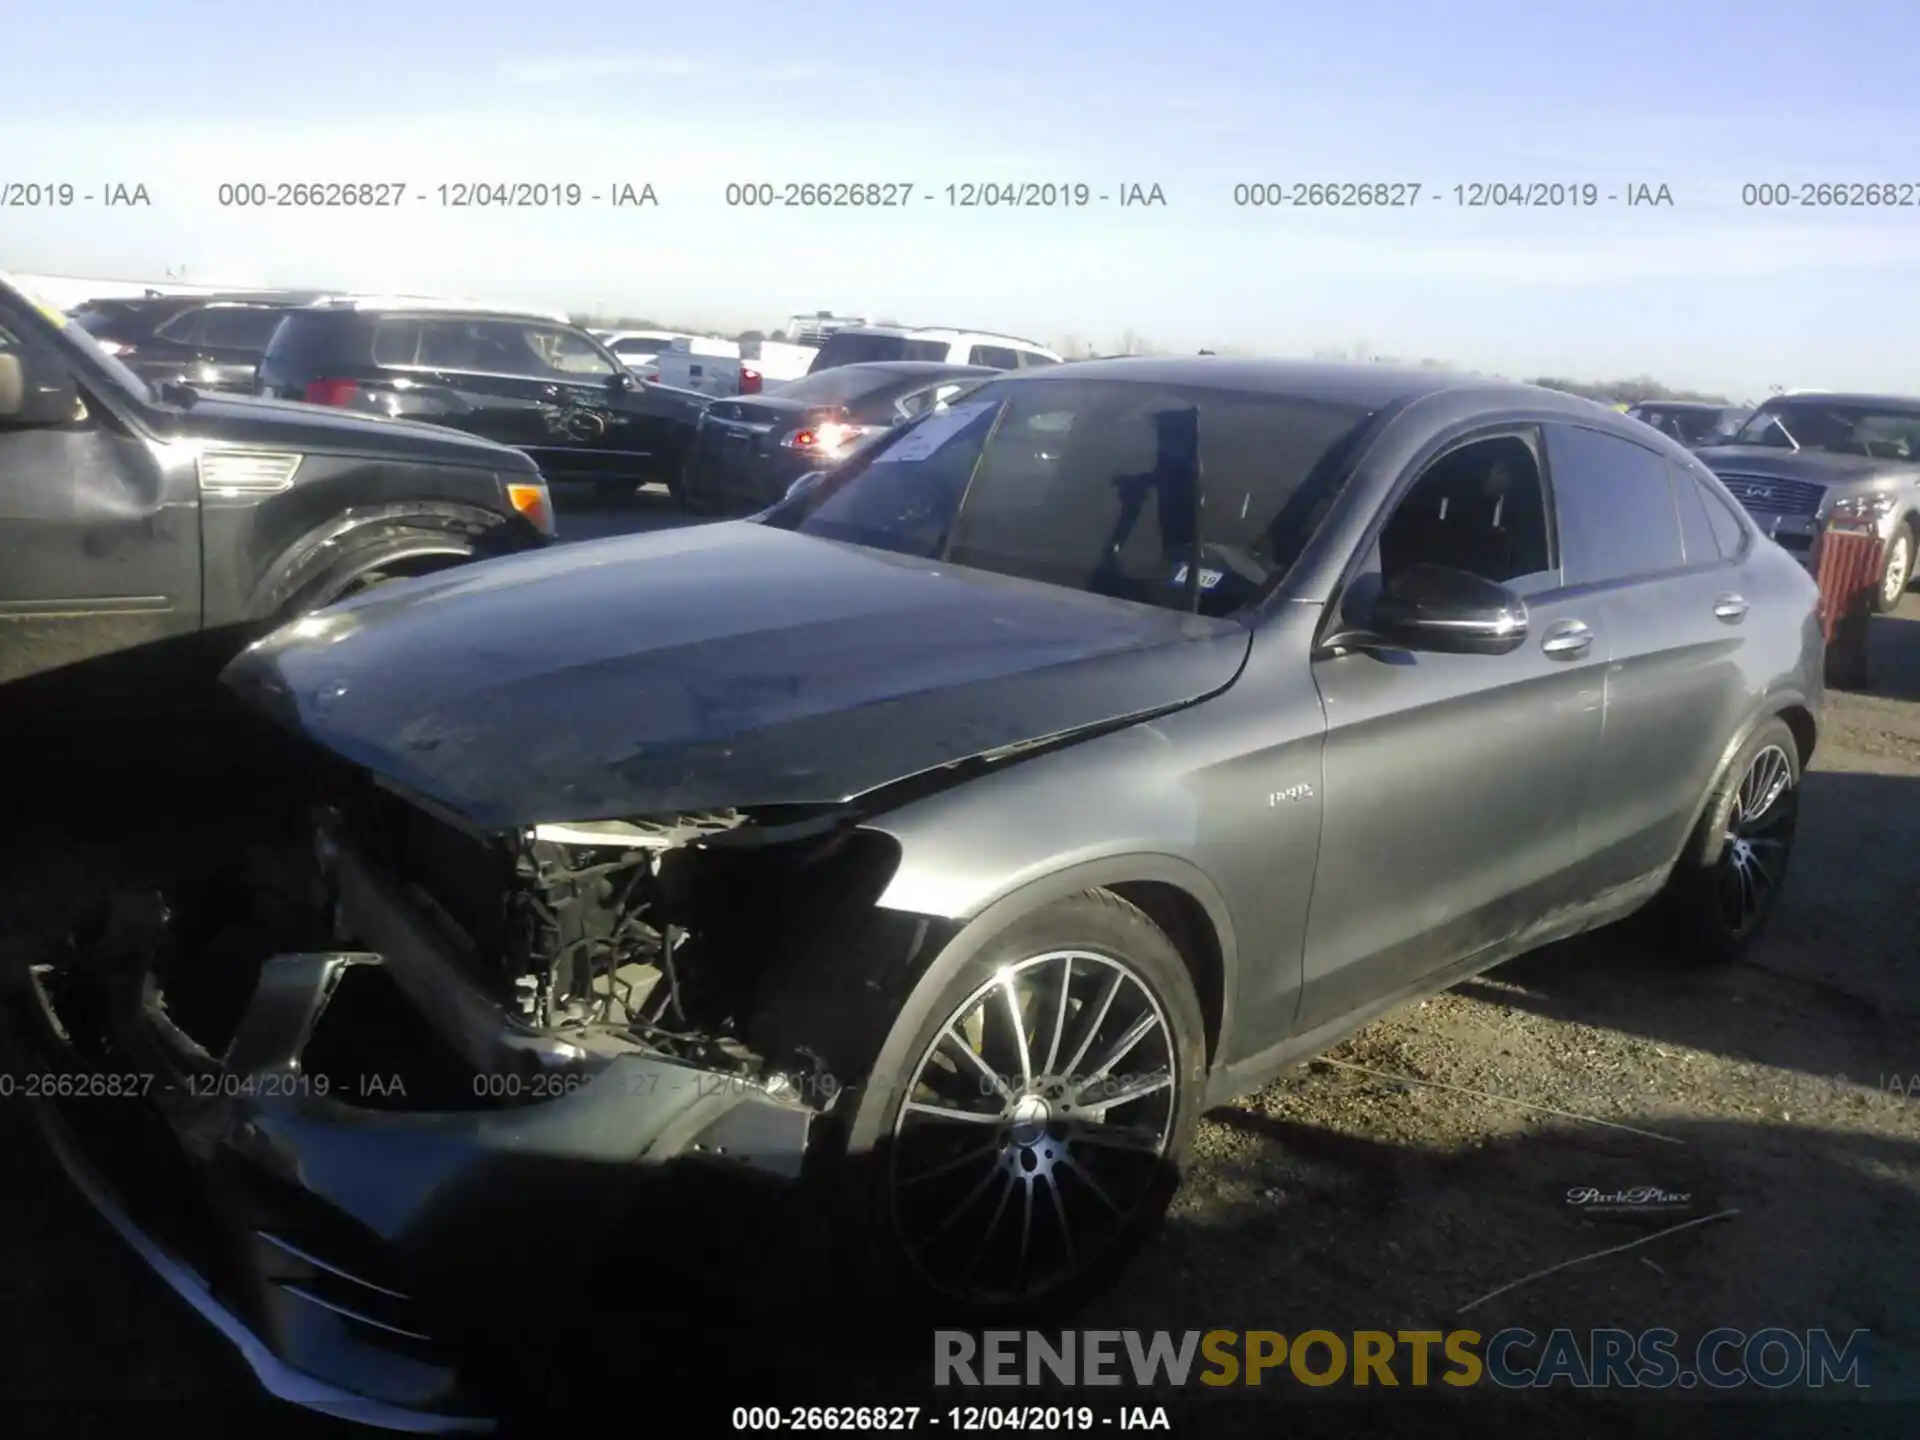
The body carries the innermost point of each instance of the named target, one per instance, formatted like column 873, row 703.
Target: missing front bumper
column 361, row 1259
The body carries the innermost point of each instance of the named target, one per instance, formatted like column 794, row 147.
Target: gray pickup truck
column 134, row 514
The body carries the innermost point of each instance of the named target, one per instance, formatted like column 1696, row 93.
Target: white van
column 699, row 362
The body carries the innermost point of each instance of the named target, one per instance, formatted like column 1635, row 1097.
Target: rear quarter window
column 1729, row 529
column 1696, row 525
column 999, row 357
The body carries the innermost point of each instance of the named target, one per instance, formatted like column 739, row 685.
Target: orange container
column 1847, row 568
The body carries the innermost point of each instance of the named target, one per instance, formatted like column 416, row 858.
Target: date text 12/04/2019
column 959, row 1419
column 447, row 195
column 963, row 195
column 1471, row 195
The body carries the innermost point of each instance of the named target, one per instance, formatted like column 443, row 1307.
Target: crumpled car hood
column 731, row 665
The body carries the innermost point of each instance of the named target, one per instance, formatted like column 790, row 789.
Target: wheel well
column 407, row 563
column 1185, row 922
column 1800, row 721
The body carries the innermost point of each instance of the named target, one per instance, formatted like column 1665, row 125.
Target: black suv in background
column 751, row 450
column 529, row 381
column 132, row 514
column 211, row 342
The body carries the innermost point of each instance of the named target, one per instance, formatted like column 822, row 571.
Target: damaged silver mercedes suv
column 913, row 863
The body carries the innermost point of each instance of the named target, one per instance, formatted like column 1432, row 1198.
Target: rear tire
column 1722, row 893
column 1022, row 1128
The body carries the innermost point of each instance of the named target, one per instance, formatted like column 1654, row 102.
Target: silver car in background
column 1802, row 460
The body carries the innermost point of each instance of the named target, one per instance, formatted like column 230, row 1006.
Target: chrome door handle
column 1567, row 637
column 1730, row 608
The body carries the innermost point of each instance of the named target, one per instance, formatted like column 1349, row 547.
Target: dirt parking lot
column 1396, row 1185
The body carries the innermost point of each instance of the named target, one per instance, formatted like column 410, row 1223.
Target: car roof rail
column 432, row 302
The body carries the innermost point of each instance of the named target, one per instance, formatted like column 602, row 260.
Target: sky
column 1197, row 99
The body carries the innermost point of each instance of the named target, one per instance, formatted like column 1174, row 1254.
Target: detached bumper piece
column 369, row 1261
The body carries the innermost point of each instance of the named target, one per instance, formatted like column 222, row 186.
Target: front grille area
column 1763, row 495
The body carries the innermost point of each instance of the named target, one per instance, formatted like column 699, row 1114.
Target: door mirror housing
column 36, row 389
column 624, row 381
column 1452, row 612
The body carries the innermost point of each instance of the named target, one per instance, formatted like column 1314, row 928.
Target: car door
column 1452, row 784
column 1675, row 620
column 99, row 541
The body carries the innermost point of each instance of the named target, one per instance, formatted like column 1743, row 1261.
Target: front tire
column 1722, row 892
column 1897, row 571
column 1023, row 1127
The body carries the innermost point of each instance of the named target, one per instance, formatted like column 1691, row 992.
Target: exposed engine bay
column 661, row 935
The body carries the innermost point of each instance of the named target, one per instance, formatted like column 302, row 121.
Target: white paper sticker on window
column 935, row 431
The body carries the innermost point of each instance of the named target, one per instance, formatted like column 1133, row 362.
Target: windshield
column 1685, row 423
column 1836, row 427
column 1090, row 485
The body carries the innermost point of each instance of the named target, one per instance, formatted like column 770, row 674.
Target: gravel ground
column 1352, row 1195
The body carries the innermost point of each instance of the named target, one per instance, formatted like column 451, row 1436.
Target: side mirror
column 1453, row 612
column 624, row 380
column 36, row 389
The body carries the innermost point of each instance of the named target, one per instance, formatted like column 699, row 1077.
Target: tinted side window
column 1696, row 530
column 397, row 342
column 1033, row 360
column 568, row 352
column 477, row 346
column 998, row 356
column 1617, row 513
column 1479, row 508
column 184, row 328
column 238, row 327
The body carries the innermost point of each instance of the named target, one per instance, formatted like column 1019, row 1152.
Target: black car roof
column 359, row 315
column 907, row 369
column 1334, row 383
column 187, row 302
column 1839, row 397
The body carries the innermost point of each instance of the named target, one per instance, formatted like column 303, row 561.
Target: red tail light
column 331, row 392
column 749, row 381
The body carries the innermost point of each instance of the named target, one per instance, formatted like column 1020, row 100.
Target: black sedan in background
column 748, row 452
column 211, row 342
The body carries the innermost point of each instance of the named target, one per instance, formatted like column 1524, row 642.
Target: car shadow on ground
column 1797, row 1002
column 1893, row 652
